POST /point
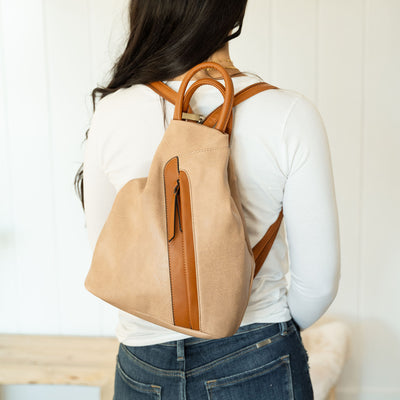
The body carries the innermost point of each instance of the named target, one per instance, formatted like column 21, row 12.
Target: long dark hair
column 166, row 39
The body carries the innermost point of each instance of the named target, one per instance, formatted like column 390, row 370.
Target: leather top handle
column 191, row 90
column 200, row 82
column 228, row 95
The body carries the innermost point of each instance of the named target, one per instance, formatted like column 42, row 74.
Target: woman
column 281, row 153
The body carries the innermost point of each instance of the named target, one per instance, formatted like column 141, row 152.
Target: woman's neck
column 221, row 57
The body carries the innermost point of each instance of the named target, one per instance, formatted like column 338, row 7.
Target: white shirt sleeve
column 98, row 192
column 310, row 215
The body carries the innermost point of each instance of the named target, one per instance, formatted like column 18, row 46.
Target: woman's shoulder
column 278, row 103
column 289, row 104
column 123, row 107
column 124, row 99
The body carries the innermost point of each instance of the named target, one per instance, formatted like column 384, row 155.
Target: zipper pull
column 176, row 208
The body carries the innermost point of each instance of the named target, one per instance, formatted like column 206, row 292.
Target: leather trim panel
column 180, row 246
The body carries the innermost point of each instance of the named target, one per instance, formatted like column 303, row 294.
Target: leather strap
column 228, row 93
column 220, row 87
column 165, row 91
column 262, row 248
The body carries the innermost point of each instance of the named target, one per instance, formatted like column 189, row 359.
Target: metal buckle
column 194, row 117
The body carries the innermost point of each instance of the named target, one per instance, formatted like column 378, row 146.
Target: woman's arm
column 310, row 215
column 99, row 193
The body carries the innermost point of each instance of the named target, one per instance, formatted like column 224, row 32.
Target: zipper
column 177, row 210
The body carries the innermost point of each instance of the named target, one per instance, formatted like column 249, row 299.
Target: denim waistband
column 283, row 327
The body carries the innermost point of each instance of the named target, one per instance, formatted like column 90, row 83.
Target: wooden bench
column 59, row 360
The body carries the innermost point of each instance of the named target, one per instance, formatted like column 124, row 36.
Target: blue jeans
column 260, row 361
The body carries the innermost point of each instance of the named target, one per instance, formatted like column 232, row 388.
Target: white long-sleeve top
column 282, row 157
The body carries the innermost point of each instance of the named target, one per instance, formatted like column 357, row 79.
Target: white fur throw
column 327, row 344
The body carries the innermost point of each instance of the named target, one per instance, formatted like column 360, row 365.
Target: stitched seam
column 205, row 149
column 287, row 173
column 301, row 344
column 212, row 364
column 154, row 389
column 184, row 262
column 236, row 334
column 168, row 245
column 290, row 383
column 233, row 355
column 196, row 261
column 184, row 259
column 283, row 360
column 206, row 340
column 151, row 367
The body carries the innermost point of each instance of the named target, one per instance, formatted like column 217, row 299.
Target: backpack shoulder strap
column 239, row 97
column 165, row 91
column 262, row 248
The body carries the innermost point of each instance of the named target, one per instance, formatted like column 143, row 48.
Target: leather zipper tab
column 177, row 206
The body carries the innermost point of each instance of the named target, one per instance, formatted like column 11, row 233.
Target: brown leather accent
column 198, row 83
column 175, row 247
column 262, row 248
column 191, row 90
column 239, row 97
column 170, row 181
column 165, row 91
column 189, row 255
column 226, row 107
column 180, row 246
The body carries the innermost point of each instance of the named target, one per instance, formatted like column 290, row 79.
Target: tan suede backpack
column 174, row 249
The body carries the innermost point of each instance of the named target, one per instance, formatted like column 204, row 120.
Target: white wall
column 342, row 54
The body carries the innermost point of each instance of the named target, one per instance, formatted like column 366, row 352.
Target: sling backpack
column 174, row 249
